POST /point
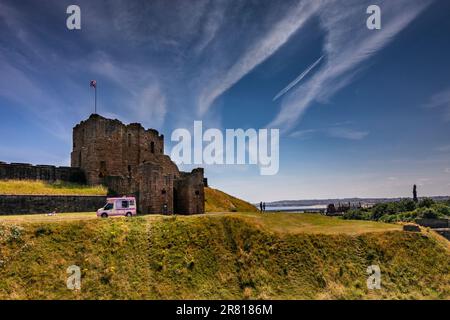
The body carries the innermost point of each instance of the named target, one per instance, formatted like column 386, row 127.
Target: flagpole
column 95, row 104
column 93, row 84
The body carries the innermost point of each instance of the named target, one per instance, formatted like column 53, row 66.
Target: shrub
column 355, row 214
column 378, row 211
column 406, row 205
column 442, row 209
column 407, row 216
column 427, row 213
column 426, row 203
column 10, row 233
column 389, row 218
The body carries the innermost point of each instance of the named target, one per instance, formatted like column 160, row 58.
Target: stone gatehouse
column 130, row 160
column 127, row 159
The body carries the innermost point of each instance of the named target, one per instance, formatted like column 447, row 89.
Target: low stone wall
column 434, row 223
column 444, row 232
column 29, row 204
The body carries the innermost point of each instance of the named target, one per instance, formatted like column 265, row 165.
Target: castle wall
column 25, row 171
column 30, row 204
column 155, row 189
column 104, row 147
column 189, row 193
column 130, row 160
column 127, row 159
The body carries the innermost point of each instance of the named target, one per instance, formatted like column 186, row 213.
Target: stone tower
column 130, row 160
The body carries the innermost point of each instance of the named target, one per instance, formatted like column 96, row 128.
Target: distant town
column 352, row 201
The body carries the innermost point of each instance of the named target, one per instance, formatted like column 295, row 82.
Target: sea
column 295, row 208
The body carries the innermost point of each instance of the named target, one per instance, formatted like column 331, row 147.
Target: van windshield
column 108, row 206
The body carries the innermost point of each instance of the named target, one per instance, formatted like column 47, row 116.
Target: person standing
column 261, row 206
column 264, row 207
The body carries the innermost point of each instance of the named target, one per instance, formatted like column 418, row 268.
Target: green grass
column 59, row 217
column 218, row 201
column 32, row 187
column 315, row 223
column 218, row 256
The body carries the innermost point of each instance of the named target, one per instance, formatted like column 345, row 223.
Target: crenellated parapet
column 130, row 159
column 26, row 171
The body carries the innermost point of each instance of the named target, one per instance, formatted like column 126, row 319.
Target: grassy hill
column 218, row 256
column 218, row 201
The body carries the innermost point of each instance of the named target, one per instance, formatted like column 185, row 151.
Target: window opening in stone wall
column 102, row 173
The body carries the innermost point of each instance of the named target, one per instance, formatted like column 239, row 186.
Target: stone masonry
column 29, row 204
column 130, row 160
column 25, row 171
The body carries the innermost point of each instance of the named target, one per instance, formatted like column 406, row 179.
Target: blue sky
column 370, row 119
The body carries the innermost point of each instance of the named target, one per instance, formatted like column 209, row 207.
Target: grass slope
column 218, row 201
column 31, row 187
column 219, row 256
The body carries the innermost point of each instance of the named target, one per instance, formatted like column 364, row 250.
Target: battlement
column 104, row 147
column 26, row 171
column 130, row 159
column 97, row 120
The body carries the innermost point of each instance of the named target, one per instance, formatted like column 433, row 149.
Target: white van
column 124, row 206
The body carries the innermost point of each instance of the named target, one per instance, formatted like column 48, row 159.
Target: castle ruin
column 130, row 160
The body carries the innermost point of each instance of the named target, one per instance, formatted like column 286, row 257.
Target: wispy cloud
column 143, row 98
column 297, row 80
column 335, row 131
column 346, row 133
column 424, row 181
column 445, row 148
column 21, row 89
column 263, row 48
column 303, row 134
column 152, row 105
column 441, row 100
column 347, row 44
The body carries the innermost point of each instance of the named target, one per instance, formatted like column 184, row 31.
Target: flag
column 93, row 84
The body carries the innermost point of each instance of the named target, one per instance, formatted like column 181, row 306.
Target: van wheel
column 104, row 215
column 128, row 214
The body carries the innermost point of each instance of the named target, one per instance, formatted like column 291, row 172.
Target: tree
column 379, row 210
column 428, row 213
column 415, row 194
column 406, row 205
column 426, row 203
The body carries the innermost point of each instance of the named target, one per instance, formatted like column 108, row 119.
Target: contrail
column 297, row 80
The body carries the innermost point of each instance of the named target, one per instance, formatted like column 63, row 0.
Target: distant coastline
column 325, row 202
